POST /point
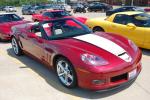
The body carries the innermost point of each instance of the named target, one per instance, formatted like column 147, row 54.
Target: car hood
column 104, row 45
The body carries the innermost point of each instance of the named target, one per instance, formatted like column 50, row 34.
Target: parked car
column 61, row 7
column 58, row 7
column 26, row 9
column 79, row 8
column 65, row 45
column 67, row 8
column 36, row 9
column 2, row 8
column 6, row 23
column 97, row 6
column 54, row 14
column 10, row 9
column 123, row 9
column 147, row 9
column 133, row 25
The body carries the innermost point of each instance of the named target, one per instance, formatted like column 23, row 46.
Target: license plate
column 132, row 74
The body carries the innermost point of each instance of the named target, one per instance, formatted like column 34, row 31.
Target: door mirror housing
column 131, row 25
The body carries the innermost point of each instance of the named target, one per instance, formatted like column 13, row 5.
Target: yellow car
column 133, row 25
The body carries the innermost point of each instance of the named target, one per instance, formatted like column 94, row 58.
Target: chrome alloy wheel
column 15, row 46
column 64, row 72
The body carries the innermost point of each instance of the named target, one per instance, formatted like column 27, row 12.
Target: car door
column 122, row 24
column 24, row 38
column 33, row 42
column 38, row 42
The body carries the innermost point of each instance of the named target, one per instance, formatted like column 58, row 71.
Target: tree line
column 21, row 2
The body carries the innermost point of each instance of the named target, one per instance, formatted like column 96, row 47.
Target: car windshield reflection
column 64, row 28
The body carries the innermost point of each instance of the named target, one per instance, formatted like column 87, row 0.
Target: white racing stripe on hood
column 105, row 44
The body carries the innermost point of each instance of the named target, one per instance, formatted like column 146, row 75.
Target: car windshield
column 64, row 28
column 60, row 14
column 37, row 7
column 9, row 18
column 141, row 20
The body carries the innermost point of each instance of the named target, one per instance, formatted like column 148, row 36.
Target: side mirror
column 31, row 35
column 131, row 25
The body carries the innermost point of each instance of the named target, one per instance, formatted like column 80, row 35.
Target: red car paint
column 40, row 17
column 46, row 50
column 5, row 28
column 147, row 9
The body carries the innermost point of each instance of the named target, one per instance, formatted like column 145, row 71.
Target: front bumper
column 123, row 85
column 5, row 36
column 109, row 79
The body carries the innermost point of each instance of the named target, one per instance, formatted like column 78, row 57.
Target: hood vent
column 125, row 56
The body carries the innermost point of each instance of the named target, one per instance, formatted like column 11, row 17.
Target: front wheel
column 16, row 48
column 66, row 73
column 84, row 11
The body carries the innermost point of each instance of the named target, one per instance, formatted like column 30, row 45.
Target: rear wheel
column 103, row 10
column 66, row 73
column 23, row 13
column 16, row 48
column 84, row 11
column 35, row 20
column 89, row 10
column 74, row 11
column 98, row 29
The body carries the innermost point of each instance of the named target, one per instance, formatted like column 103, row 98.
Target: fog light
column 97, row 82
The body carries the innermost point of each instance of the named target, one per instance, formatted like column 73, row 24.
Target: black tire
column 98, row 29
column 23, row 13
column 103, row 10
column 70, row 70
column 89, row 10
column 74, row 11
column 84, row 11
column 16, row 47
column 35, row 20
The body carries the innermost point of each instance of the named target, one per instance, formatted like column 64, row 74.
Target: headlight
column 135, row 48
column 93, row 60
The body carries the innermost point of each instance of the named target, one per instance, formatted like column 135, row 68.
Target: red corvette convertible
column 53, row 14
column 79, row 57
column 6, row 22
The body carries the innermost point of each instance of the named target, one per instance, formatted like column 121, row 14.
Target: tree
column 20, row 2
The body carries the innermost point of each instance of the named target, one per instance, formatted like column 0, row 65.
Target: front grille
column 119, row 78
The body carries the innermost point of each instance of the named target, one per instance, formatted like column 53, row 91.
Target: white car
column 67, row 7
column 10, row 9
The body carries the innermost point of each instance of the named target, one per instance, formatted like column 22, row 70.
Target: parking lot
column 22, row 78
